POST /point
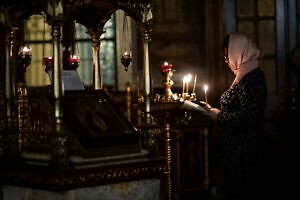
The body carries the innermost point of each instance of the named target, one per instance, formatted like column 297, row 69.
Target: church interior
column 91, row 95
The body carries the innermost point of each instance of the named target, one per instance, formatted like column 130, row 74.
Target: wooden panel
column 247, row 27
column 266, row 7
column 267, row 42
column 244, row 8
column 269, row 68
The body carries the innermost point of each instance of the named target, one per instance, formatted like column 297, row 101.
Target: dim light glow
column 26, row 49
column 188, row 78
column 205, row 88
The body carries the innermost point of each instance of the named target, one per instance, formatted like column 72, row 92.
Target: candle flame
column 26, row 49
column 166, row 63
column 188, row 78
column 184, row 79
column 205, row 88
column 175, row 96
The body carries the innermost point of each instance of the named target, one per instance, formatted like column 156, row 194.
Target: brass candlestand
column 168, row 71
column 168, row 82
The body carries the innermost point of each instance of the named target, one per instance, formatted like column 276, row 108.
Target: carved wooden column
column 147, row 25
column 9, row 29
column 168, row 151
column 9, row 85
column 10, row 139
column 55, row 17
column 97, row 83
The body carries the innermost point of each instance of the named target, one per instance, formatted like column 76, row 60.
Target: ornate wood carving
column 47, row 179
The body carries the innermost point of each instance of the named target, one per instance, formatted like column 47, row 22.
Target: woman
column 242, row 139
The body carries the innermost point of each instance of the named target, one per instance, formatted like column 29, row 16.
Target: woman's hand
column 212, row 113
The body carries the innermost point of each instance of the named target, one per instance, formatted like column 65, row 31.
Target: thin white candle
column 183, row 85
column 195, row 80
column 188, row 77
column 205, row 92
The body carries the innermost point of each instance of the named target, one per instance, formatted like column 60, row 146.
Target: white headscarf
column 243, row 54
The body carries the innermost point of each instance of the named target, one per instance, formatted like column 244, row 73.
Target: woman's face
column 226, row 58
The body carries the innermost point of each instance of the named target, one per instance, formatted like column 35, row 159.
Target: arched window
column 83, row 48
column 37, row 35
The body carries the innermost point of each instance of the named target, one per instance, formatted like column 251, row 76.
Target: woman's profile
column 240, row 119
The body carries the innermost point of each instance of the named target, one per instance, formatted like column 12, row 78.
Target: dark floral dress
column 242, row 139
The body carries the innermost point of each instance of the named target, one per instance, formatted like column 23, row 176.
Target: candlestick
column 24, row 57
column 168, row 70
column 183, row 85
column 189, row 76
column 195, row 80
column 166, row 66
column 205, row 90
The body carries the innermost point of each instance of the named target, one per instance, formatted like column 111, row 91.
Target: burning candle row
column 185, row 86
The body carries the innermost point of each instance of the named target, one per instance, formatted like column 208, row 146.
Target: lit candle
column 183, row 85
column 205, row 92
column 195, row 80
column 188, row 77
column 48, row 60
column 74, row 58
column 26, row 50
column 166, row 67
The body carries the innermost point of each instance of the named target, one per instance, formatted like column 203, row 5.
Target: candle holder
column 48, row 61
column 168, row 70
column 73, row 63
column 126, row 60
column 24, row 57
